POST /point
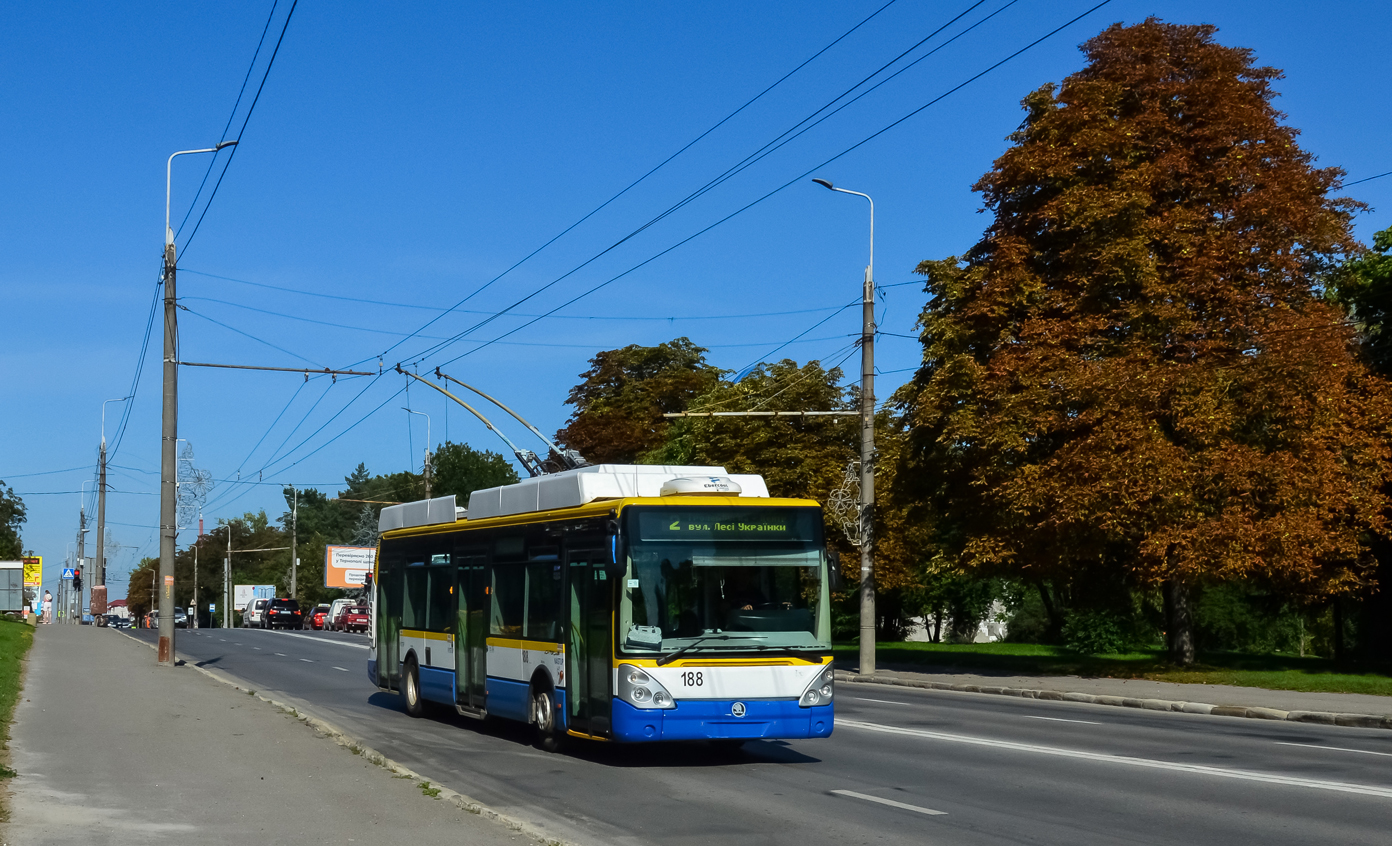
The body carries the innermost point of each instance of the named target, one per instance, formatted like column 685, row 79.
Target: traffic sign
column 68, row 572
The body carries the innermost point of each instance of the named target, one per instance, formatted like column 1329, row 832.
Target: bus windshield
column 720, row 578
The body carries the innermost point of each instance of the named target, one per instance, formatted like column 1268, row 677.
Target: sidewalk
column 112, row 750
column 1222, row 700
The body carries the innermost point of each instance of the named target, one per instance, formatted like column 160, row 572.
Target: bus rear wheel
column 547, row 722
column 410, row 689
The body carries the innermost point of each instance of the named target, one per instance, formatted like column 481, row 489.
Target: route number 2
column 692, row 679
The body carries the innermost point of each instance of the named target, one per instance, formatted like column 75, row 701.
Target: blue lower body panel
column 509, row 699
column 372, row 670
column 715, row 720
column 437, row 685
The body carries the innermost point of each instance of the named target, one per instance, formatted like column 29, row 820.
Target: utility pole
column 81, row 552
column 227, row 581
column 294, row 530
column 169, row 430
column 867, row 449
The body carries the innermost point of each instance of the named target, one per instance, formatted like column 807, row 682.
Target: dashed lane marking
column 1062, row 720
column 280, row 655
column 890, row 802
column 881, row 701
column 1125, row 760
column 326, row 640
column 344, row 669
column 306, row 660
column 1335, row 748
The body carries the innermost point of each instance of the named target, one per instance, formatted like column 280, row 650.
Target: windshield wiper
column 667, row 659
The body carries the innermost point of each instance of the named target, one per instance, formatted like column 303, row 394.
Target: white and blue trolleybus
column 618, row 603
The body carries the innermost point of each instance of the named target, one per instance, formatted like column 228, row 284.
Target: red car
column 317, row 618
column 352, row 618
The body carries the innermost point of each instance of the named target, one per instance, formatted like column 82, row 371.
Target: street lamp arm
column 168, row 176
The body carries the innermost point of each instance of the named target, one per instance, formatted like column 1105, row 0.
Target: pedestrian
column 46, row 614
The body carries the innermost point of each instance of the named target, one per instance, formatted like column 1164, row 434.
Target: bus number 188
column 692, row 679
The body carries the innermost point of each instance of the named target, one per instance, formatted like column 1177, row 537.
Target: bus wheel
column 544, row 715
column 410, row 688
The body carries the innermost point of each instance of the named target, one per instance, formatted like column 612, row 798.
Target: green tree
column 460, row 469
column 1364, row 285
column 12, row 516
column 1132, row 376
column 619, row 405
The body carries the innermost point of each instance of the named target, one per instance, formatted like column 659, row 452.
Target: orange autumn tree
column 1132, row 378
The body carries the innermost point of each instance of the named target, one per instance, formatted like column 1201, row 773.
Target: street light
column 169, row 424
column 867, row 449
column 98, row 577
column 427, row 447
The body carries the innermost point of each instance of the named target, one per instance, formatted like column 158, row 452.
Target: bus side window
column 543, row 601
column 509, row 594
column 442, row 606
column 413, row 615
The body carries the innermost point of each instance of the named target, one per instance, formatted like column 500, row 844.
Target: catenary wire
column 673, row 208
column 792, row 181
column 230, row 117
column 640, row 179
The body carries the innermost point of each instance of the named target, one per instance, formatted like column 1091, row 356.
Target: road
column 904, row 766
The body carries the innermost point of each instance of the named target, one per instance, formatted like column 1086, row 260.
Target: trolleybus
column 617, row 603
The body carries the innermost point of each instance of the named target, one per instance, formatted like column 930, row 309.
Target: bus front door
column 589, row 644
column 471, row 650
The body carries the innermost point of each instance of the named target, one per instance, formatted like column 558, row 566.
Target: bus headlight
column 641, row 690
column 819, row 691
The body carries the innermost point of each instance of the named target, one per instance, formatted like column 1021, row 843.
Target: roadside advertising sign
column 348, row 566
column 242, row 594
column 33, row 571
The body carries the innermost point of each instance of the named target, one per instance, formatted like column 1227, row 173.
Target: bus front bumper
column 711, row 719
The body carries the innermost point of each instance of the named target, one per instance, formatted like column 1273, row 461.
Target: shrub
column 1093, row 633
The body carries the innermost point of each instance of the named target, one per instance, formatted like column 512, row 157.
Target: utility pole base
column 166, row 652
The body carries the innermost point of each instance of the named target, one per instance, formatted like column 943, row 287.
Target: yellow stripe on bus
column 427, row 635
column 698, row 661
column 534, row 645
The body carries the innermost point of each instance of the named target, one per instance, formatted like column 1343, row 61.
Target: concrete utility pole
column 867, row 449
column 99, row 569
column 82, row 531
column 169, row 430
column 294, row 530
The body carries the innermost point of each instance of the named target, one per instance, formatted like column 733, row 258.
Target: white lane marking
column 344, row 669
column 256, row 647
column 890, row 802
column 325, row 640
column 1062, row 720
column 881, row 701
column 1335, row 748
column 306, row 660
column 223, row 639
column 280, row 654
column 1102, row 757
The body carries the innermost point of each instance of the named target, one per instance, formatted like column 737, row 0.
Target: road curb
column 1255, row 713
column 358, row 747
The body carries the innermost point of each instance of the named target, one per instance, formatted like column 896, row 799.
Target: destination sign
column 723, row 523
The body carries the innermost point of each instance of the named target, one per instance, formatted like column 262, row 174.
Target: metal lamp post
column 98, row 577
column 867, row 449
column 169, row 426
column 427, row 447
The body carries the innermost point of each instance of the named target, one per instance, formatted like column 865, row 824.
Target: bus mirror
column 835, row 580
column 611, row 526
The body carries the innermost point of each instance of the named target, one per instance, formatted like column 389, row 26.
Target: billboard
column 33, row 571
column 348, row 566
column 242, row 594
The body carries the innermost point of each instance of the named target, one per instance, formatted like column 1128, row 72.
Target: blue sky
column 409, row 154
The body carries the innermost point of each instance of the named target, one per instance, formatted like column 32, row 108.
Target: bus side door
column 589, row 643
column 471, row 642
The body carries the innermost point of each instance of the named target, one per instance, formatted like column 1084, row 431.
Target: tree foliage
column 12, row 516
column 1133, row 369
column 621, row 400
column 460, row 469
column 1364, row 285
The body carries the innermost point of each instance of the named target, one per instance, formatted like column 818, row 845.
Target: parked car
column 253, row 616
column 336, row 607
column 317, row 618
column 353, row 618
column 282, row 614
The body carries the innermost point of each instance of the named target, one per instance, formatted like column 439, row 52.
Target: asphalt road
column 904, row 766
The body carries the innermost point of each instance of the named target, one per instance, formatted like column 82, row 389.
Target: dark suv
column 282, row 614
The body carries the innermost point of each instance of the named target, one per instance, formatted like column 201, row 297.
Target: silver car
column 254, row 613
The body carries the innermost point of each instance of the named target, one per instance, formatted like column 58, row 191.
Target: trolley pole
column 294, row 531
column 867, row 449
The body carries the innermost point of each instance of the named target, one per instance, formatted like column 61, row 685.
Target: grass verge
column 1273, row 672
column 15, row 640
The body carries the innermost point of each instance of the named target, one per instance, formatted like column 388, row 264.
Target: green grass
column 1274, row 671
column 15, row 639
